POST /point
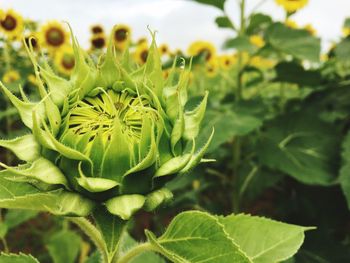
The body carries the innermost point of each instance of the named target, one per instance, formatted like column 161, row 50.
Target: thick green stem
column 135, row 252
column 236, row 151
column 92, row 232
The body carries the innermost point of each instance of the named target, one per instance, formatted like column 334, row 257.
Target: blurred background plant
column 279, row 106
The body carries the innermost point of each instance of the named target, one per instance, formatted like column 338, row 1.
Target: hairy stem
column 92, row 232
column 135, row 252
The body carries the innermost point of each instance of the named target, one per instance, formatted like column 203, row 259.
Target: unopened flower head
column 114, row 133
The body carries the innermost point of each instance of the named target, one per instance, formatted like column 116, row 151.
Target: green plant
column 104, row 143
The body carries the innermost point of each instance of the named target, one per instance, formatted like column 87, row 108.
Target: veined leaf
column 302, row 146
column 197, row 237
column 264, row 240
column 14, row 258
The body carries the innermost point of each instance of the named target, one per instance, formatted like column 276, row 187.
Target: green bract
column 114, row 133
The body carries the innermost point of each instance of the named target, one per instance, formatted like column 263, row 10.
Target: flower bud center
column 97, row 115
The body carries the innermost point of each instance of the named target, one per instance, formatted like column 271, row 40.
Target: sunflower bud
column 114, row 133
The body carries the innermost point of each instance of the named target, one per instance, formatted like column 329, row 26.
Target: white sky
column 178, row 22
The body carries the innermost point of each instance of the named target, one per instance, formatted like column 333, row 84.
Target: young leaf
column 264, row 240
column 197, row 237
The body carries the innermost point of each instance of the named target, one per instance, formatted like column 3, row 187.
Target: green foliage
column 298, row 43
column 224, row 22
column 20, row 258
column 64, row 246
column 344, row 177
column 264, row 240
column 301, row 146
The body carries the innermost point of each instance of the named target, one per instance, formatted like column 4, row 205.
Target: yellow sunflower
column 292, row 5
column 53, row 35
column 64, row 60
column 96, row 29
column 11, row 24
column 122, row 36
column 226, row 61
column 141, row 40
column 261, row 62
column 141, row 53
column 310, row 29
column 346, row 31
column 202, row 48
column 98, row 41
column 10, row 76
column 291, row 24
column 257, row 41
column 164, row 49
column 211, row 68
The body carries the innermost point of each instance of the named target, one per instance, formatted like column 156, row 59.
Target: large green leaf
column 14, row 258
column 302, row 146
column 344, row 177
column 17, row 195
column 298, row 43
column 216, row 3
column 262, row 239
column 64, row 246
column 227, row 124
column 197, row 237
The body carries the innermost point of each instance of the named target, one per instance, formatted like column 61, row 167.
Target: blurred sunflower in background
column 141, row 40
column 141, row 53
column 122, row 36
column 11, row 24
column 98, row 41
column 202, row 48
column 346, row 31
column 96, row 29
column 64, row 60
column 11, row 76
column 226, row 61
column 310, row 29
column 211, row 68
column 53, row 35
column 257, row 41
column 292, row 5
column 164, row 50
column 291, row 24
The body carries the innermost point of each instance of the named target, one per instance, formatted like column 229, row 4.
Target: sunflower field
column 128, row 150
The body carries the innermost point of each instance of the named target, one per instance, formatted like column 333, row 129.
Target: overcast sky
column 178, row 22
